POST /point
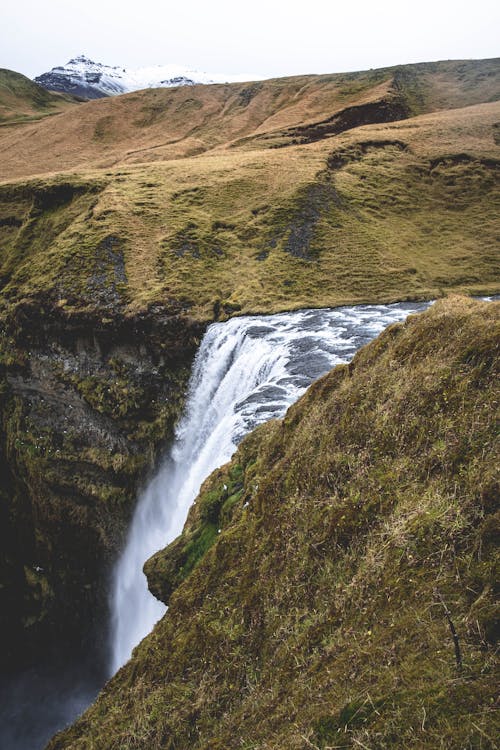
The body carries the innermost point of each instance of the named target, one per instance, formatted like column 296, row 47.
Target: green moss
column 114, row 396
column 212, row 512
column 354, row 715
column 197, row 547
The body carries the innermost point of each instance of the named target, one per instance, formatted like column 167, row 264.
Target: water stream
column 247, row 371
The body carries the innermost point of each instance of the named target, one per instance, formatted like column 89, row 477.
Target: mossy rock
column 212, row 512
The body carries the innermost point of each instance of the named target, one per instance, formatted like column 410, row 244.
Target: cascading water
column 247, row 371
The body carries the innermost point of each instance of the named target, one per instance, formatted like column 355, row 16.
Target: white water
column 247, row 371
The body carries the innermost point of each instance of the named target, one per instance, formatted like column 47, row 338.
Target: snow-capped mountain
column 92, row 80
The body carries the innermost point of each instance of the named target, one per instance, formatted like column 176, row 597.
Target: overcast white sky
column 263, row 37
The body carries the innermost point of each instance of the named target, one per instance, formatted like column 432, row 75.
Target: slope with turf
column 351, row 534
column 23, row 101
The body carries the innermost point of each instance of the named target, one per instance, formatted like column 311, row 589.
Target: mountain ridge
column 81, row 76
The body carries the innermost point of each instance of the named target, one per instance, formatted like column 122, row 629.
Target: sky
column 264, row 38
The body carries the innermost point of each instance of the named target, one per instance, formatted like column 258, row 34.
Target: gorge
column 247, row 371
column 314, row 566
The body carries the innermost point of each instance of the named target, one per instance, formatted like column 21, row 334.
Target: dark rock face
column 82, row 77
column 385, row 110
column 178, row 81
column 55, row 81
column 85, row 405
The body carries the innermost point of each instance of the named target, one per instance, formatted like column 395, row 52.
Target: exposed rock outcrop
column 86, row 403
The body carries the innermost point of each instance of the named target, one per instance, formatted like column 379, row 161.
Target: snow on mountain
column 84, row 77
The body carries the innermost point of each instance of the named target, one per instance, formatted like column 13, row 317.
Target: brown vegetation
column 163, row 124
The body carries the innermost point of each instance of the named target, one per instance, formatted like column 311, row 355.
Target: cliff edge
column 333, row 585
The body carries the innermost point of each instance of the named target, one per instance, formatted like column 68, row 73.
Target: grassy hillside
column 312, row 592
column 22, row 100
column 378, row 213
column 262, row 196
column 163, row 124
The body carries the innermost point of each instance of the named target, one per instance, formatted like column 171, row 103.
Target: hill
column 22, row 101
column 164, row 124
column 347, row 599
column 274, row 195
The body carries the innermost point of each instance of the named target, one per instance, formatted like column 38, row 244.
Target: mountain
column 92, row 80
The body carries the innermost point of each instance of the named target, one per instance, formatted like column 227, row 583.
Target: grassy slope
column 164, row 124
column 207, row 211
column 315, row 619
column 380, row 212
column 22, row 100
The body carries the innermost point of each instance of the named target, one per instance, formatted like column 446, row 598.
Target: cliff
column 86, row 403
column 333, row 585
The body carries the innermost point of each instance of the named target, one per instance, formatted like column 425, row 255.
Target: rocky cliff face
column 86, row 403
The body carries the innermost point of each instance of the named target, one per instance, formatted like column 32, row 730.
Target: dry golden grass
column 162, row 124
column 379, row 212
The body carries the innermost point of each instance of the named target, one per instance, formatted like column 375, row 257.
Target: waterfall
column 247, row 371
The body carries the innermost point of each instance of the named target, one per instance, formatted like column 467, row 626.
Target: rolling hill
column 318, row 190
column 164, row 124
column 22, row 100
